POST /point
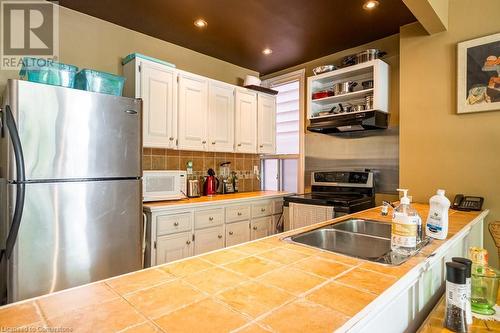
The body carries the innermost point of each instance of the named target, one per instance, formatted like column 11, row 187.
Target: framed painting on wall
column 478, row 75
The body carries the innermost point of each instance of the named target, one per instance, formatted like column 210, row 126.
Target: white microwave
column 163, row 185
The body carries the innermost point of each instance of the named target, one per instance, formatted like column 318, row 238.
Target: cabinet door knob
column 188, row 242
column 220, row 236
column 171, row 138
column 230, row 232
column 239, row 144
column 210, row 218
column 239, row 214
column 261, row 146
column 262, row 209
column 203, row 142
column 176, row 224
column 255, row 228
column 213, row 142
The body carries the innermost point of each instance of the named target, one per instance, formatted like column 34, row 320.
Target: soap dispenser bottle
column 404, row 227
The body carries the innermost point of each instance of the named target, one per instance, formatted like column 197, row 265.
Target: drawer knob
column 239, row 214
column 230, row 232
column 213, row 142
column 171, row 138
column 220, row 236
column 203, row 142
column 210, row 218
column 255, row 228
column 239, row 144
column 176, row 224
column 261, row 146
column 188, row 242
column 262, row 209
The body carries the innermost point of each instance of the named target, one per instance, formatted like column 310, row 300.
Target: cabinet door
column 260, row 227
column 220, row 117
column 209, row 239
column 193, row 111
column 246, row 121
column 237, row 233
column 158, row 93
column 266, row 124
column 173, row 247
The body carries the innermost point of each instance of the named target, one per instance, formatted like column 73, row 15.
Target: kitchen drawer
column 208, row 218
column 237, row 213
column 262, row 208
column 172, row 223
column 278, row 206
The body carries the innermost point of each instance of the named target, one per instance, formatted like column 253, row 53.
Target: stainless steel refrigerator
column 71, row 199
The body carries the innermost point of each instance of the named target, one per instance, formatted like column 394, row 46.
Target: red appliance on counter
column 211, row 183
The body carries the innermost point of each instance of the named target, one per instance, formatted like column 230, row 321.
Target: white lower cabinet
column 260, row 227
column 210, row 239
column 237, row 233
column 173, row 247
column 182, row 232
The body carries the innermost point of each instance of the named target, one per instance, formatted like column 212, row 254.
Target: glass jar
column 484, row 289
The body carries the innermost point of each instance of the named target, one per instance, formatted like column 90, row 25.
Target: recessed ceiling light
column 200, row 23
column 267, row 51
column 371, row 4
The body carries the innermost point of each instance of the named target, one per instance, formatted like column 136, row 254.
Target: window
column 287, row 118
column 284, row 171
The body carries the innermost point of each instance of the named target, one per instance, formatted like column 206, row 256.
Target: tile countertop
column 434, row 322
column 219, row 198
column 262, row 286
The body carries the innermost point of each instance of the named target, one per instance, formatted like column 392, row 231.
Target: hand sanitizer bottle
column 404, row 227
column 437, row 222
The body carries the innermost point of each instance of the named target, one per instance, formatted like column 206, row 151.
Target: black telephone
column 465, row 202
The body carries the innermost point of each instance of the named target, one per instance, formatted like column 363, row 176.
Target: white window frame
column 298, row 75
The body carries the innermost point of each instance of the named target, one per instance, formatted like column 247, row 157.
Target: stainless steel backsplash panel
column 375, row 150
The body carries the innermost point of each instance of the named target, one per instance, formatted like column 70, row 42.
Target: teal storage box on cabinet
column 48, row 72
column 101, row 82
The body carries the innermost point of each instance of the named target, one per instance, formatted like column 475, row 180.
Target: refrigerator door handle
column 20, row 186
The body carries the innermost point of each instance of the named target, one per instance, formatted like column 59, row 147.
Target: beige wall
column 438, row 148
column 88, row 42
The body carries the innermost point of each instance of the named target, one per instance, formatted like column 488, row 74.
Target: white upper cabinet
column 193, row 112
column 266, row 124
column 156, row 85
column 246, row 121
column 220, row 117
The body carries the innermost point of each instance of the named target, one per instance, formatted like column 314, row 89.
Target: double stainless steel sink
column 360, row 238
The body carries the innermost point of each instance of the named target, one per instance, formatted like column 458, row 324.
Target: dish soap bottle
column 404, row 227
column 437, row 221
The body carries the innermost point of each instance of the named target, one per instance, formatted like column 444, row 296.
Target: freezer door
column 69, row 133
column 74, row 233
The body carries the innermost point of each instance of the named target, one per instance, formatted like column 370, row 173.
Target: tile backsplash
column 169, row 159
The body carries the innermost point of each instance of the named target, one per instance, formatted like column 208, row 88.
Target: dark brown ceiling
column 296, row 30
